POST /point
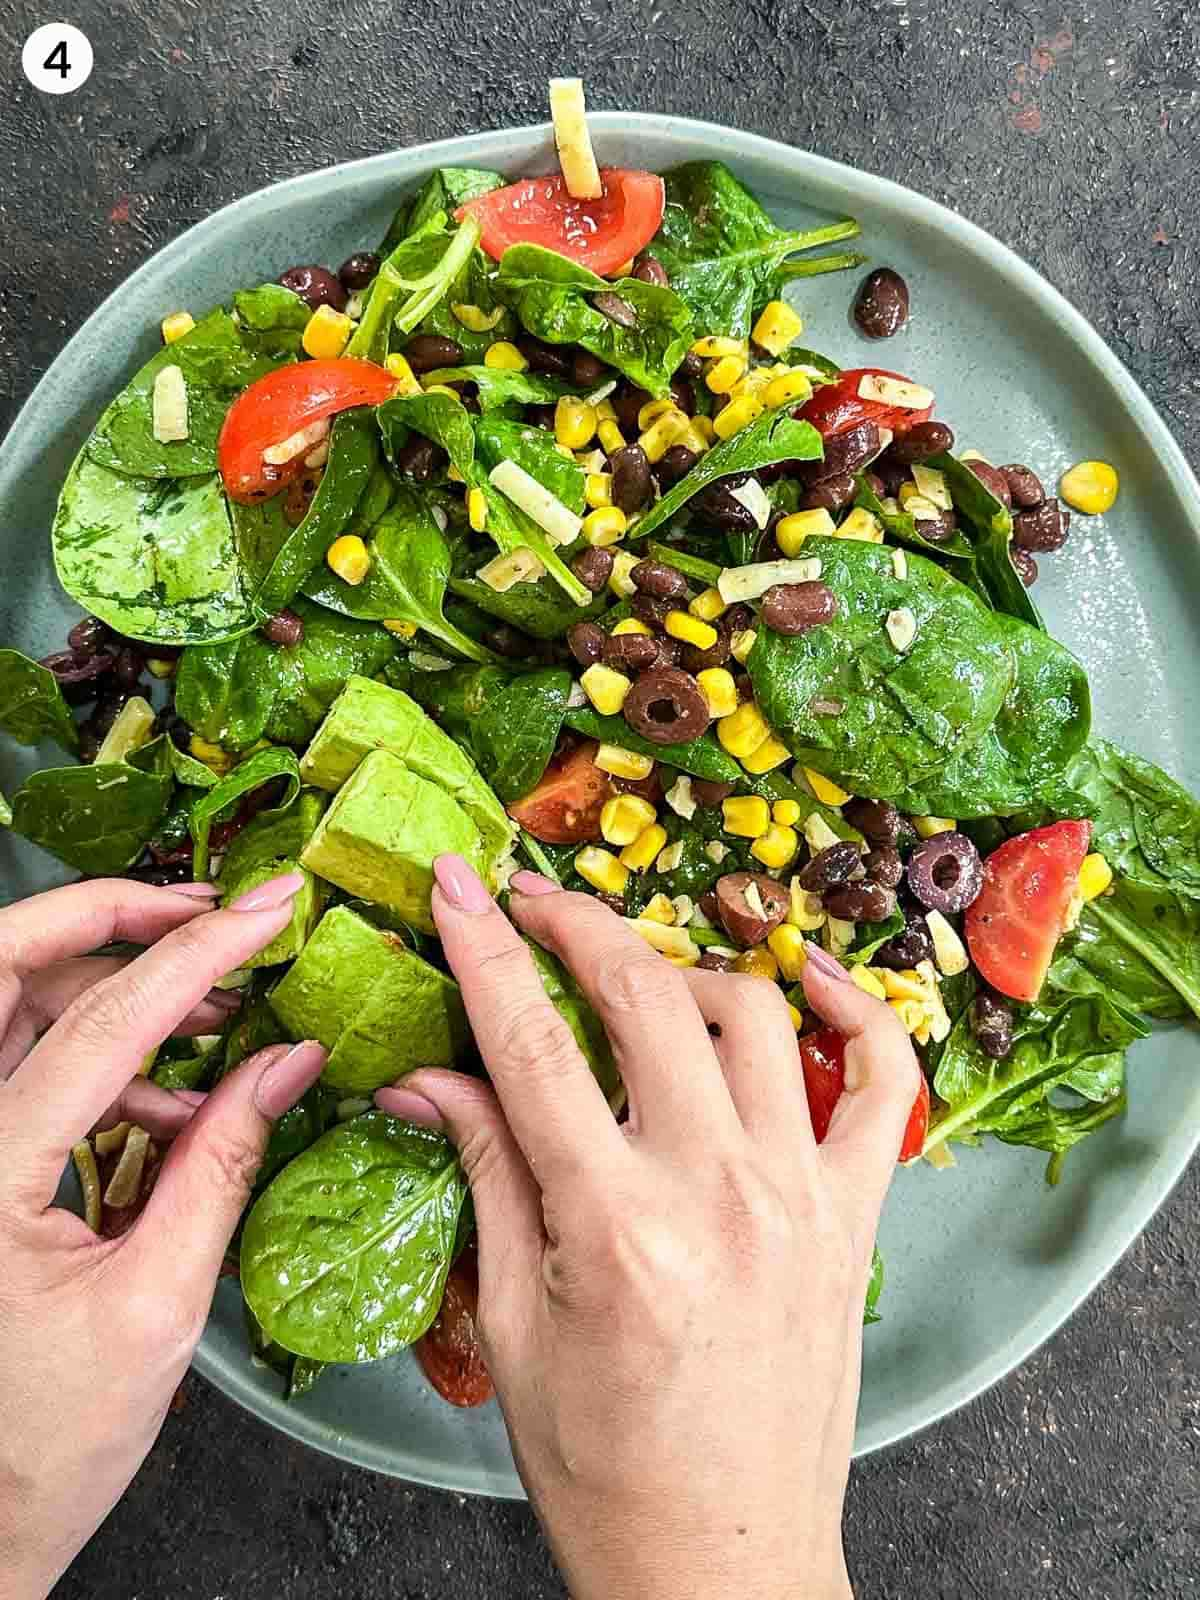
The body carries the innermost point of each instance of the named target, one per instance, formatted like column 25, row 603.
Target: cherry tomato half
column 601, row 234
column 1025, row 905
column 823, row 1057
column 279, row 405
column 565, row 806
column 449, row 1351
column 837, row 406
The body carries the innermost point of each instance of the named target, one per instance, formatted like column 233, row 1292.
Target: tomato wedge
column 601, row 234
column 565, row 806
column 823, row 1057
column 279, row 405
column 837, row 406
column 1025, row 906
column 449, row 1352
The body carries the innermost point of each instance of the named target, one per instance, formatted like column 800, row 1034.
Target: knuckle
column 107, row 1011
column 755, row 1214
column 532, row 1040
column 233, row 1157
column 637, row 980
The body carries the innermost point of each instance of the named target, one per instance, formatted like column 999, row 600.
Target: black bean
column 713, row 961
column 667, row 706
column 909, row 947
column 612, row 901
column 992, row 1024
column 793, row 608
column 845, row 452
column 612, row 306
column 831, row 494
column 830, row 866
column 1042, row 528
column 630, row 478
column 649, row 269
column 586, row 643
column 418, row 459
column 429, row 351
column 883, row 865
column 860, row 902
column 552, row 359
column 891, row 474
column 881, row 306
column 660, row 580
column 508, row 641
column 630, row 652
column 674, row 464
column 1024, row 485
column 1027, row 567
column 684, row 396
column 540, row 416
column 670, row 651
column 357, row 271
column 992, row 479
column 716, row 504
column 716, row 655
column 284, row 628
column 593, row 567
column 161, row 877
column 107, row 711
column 87, row 636
column 316, row 286
column 937, row 529
column 692, row 366
column 708, row 792
column 922, row 440
column 587, row 370
column 875, row 483
column 741, row 921
column 70, row 668
column 129, row 666
column 877, row 820
column 648, row 608
column 627, row 401
column 945, row 872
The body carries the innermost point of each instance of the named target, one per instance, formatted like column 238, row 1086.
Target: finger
column 552, row 1103
column 163, row 1113
column 181, row 1238
column 662, row 1046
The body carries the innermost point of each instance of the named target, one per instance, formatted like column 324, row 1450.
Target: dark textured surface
column 1073, row 137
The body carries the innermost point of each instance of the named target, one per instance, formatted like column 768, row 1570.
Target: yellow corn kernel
column 907, row 492
column 160, row 667
column 776, row 847
column 777, row 327
column 574, row 422
column 1095, row 876
column 620, row 763
column 505, row 357
column 708, row 606
column 928, row 826
column 716, row 345
column 406, row 378
column 659, row 909
column 738, row 414
column 402, row 630
column 753, row 383
column 610, row 436
column 786, row 813
column 325, row 333
column 212, row 755
column 770, row 754
column 477, row 509
column 604, row 526
column 790, row 948
column 903, row 985
column 704, row 427
column 792, row 388
column 641, row 854
column 597, row 489
column 826, row 791
column 475, row 319
column 619, row 581
column 911, row 1014
column 348, row 558
column 757, row 963
column 601, row 869
column 791, row 531
column 747, row 816
column 1090, row 487
column 719, row 690
column 652, row 410
column 632, row 625
column 743, row 731
column 605, row 411
column 694, row 439
column 868, row 981
column 624, row 817
column 723, row 374
column 795, row 1016
column 805, row 911
column 176, row 325
column 860, row 524
column 742, row 643
column 690, row 630
column 605, row 688
column 662, row 433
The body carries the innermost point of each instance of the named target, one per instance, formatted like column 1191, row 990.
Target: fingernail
column 271, row 895
column 190, row 1097
column 461, row 885
column 533, row 883
column 284, row 1081
column 409, row 1105
column 825, row 963
column 196, row 891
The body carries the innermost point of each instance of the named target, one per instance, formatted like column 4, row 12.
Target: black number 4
column 57, row 61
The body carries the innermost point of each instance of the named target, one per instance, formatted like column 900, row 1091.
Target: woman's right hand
column 671, row 1310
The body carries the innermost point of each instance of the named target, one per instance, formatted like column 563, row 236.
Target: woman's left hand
column 95, row 1334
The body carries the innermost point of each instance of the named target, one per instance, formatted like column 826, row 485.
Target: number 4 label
column 57, row 58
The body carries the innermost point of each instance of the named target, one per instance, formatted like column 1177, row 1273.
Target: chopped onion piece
column 901, row 628
column 297, row 443
column 501, row 573
column 572, row 139
column 900, row 564
column 680, row 798
column 932, row 485
column 170, row 406
column 557, row 521
column 894, row 392
column 753, row 581
column 753, row 496
column 754, row 902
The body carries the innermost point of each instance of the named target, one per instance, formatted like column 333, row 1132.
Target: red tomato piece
column 823, row 1057
column 837, row 406
column 917, row 1125
column 565, row 806
column 279, row 405
column 601, row 234
column 449, row 1352
column 1025, row 905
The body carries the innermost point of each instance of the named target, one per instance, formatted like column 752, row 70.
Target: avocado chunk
column 377, row 1008
column 267, row 848
column 370, row 716
column 380, row 835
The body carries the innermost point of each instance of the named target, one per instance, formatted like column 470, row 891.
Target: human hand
column 95, row 1334
column 671, row 1310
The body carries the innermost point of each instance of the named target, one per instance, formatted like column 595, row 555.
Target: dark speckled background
column 1073, row 136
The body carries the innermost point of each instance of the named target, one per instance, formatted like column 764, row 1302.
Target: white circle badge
column 57, row 58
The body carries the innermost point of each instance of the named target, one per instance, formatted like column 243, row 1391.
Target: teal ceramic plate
column 983, row 1262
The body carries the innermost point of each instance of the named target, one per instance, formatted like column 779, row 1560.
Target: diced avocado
column 267, row 848
column 381, row 833
column 377, row 1008
column 370, row 716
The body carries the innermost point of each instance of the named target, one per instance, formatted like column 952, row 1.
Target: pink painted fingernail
column 825, row 963
column 533, row 883
column 285, row 1080
column 190, row 1097
column 196, row 891
column 409, row 1105
column 461, row 885
column 271, row 895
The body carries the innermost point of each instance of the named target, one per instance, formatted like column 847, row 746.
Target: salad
column 534, row 533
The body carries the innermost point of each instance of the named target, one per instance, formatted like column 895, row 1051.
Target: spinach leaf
column 992, row 523
column 774, row 437
column 553, row 299
column 497, row 387
column 540, row 609
column 192, row 1071
column 5, row 813
column 252, row 773
column 534, row 449
column 874, row 1289
column 702, row 758
column 344, row 1257
column 96, row 819
column 425, row 264
column 272, row 318
column 576, row 1011
column 903, row 528
column 724, row 255
column 32, row 707
column 695, row 567
column 1142, row 816
column 902, row 716
column 440, row 195
column 508, row 720
column 869, row 936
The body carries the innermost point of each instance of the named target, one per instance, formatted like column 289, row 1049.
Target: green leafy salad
column 552, row 545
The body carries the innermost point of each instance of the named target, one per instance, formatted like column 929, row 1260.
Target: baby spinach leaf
column 534, row 449
column 695, row 567
column 702, row 758
column 344, row 1257
column 902, row 528
column 554, row 300
column 5, row 813
column 1142, row 816
column 508, row 720
column 874, row 1289
column 250, row 774
column 498, row 387
column 724, row 255
column 901, row 716
column 272, row 319
column 540, row 609
column 32, row 707
column 425, row 264
column 868, row 938
column 440, row 195
column 96, row 819
column 991, row 522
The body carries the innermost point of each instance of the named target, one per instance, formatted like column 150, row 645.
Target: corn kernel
column 477, row 509
column 911, row 1014
column 610, row 436
column 826, row 791
column 161, row 667
column 212, row 755
column 604, row 526
column 176, row 325
column 770, row 754
column 597, row 489
column 776, row 847
column 1090, row 487
column 742, row 643
column 704, row 427
column 663, row 433
column 708, row 606
column 723, row 374
column 795, row 1016
column 777, row 327
column 747, row 816
column 690, row 630
column 641, row 854
column 601, row 869
column 903, row 985
column 406, row 378
column 674, row 943
column 806, row 911
column 719, row 690
column 696, row 440
column 717, row 345
column 620, row 763
column 738, row 414
column 860, row 524
column 624, row 817
column 619, row 581
column 402, row 630
column 605, row 410
column 574, row 422
column 659, row 909
column 632, row 625
column 790, row 389
column 927, row 827
column 605, row 688
column 786, row 813
column 326, row 333
column 475, row 319
column 868, row 981
column 743, row 731
column 758, row 962
column 1095, row 876
column 791, row 531
column 504, row 357
column 790, row 948
column 652, row 410
column 348, row 558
